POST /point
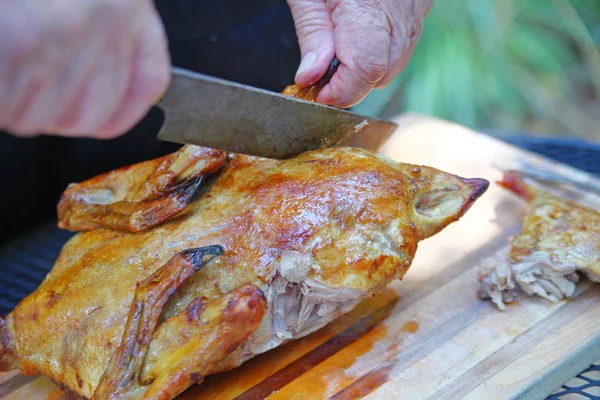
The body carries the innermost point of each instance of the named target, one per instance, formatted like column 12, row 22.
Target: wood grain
column 429, row 336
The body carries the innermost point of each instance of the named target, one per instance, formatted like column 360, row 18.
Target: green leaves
column 501, row 63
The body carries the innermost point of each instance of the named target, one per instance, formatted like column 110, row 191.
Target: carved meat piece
column 559, row 238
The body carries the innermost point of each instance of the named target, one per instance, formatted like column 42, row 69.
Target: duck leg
column 160, row 363
column 188, row 345
column 121, row 376
column 140, row 196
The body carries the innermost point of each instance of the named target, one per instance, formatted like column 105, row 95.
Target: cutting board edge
column 571, row 366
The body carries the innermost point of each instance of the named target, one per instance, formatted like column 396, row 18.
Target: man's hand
column 79, row 68
column 373, row 39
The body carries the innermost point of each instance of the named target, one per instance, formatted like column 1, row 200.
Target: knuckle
column 416, row 28
column 344, row 102
column 371, row 69
column 307, row 28
column 342, row 98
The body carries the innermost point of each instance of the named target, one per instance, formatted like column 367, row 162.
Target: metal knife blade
column 212, row 112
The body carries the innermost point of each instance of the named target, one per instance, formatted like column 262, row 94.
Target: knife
column 211, row 112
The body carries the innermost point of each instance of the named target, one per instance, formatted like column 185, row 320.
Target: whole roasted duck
column 195, row 262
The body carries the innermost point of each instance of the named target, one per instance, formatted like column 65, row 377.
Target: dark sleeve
column 255, row 45
column 36, row 171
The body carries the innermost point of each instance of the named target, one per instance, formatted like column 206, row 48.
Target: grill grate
column 25, row 262
column 575, row 152
column 585, row 386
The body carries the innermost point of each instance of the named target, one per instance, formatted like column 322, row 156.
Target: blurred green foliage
column 506, row 65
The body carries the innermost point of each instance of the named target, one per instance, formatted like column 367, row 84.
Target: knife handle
column 310, row 93
column 331, row 70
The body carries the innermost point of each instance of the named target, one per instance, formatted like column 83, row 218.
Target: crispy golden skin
column 558, row 238
column 567, row 231
column 148, row 313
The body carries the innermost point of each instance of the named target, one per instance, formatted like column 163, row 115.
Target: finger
column 315, row 37
column 71, row 92
column 406, row 22
column 86, row 92
column 362, row 40
column 150, row 75
column 66, row 47
column 105, row 60
column 37, row 89
column 45, row 104
column 24, row 90
column 96, row 102
column 18, row 82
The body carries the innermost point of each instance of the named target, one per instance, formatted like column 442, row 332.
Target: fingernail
column 307, row 61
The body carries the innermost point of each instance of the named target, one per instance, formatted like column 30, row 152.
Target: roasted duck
column 559, row 238
column 192, row 263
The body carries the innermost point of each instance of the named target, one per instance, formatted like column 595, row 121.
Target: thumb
column 315, row 36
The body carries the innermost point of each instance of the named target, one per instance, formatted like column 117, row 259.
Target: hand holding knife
column 216, row 113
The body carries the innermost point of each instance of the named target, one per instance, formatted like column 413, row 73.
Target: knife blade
column 211, row 112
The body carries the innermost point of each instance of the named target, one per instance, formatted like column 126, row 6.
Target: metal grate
column 25, row 262
column 584, row 386
column 575, row 152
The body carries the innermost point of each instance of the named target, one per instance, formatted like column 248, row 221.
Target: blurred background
column 504, row 67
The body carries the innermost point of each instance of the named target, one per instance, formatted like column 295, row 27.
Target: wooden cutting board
column 429, row 336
